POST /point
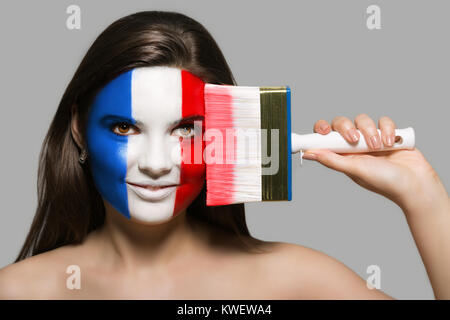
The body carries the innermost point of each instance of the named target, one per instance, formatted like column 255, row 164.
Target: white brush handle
column 334, row 141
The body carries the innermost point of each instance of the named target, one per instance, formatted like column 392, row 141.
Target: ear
column 75, row 127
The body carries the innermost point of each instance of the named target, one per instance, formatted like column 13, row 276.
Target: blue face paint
column 108, row 150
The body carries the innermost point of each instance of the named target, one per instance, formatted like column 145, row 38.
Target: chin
column 152, row 212
column 150, row 220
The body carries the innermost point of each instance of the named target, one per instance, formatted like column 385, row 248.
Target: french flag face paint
column 145, row 129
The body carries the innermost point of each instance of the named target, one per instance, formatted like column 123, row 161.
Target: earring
column 83, row 156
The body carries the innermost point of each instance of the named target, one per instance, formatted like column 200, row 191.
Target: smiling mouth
column 154, row 188
column 152, row 193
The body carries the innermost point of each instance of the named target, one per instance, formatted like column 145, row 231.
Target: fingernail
column 353, row 135
column 390, row 140
column 323, row 127
column 309, row 156
column 375, row 142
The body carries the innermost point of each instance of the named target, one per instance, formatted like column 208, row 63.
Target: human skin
column 139, row 131
column 405, row 177
column 138, row 259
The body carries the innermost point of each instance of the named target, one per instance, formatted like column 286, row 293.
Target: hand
column 403, row 176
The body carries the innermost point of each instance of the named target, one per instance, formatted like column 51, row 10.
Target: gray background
column 322, row 49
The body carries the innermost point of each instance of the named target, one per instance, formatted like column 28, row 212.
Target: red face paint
column 193, row 168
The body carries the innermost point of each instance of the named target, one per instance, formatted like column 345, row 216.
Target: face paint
column 135, row 139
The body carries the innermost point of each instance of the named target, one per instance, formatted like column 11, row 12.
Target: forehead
column 151, row 96
column 156, row 95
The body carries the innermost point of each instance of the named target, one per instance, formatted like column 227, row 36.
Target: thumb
column 332, row 160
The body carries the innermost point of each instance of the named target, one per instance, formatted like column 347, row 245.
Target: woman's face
column 144, row 129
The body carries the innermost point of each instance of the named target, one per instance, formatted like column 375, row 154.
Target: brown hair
column 69, row 206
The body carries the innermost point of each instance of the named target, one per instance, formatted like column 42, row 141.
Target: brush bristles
column 234, row 113
column 247, row 169
column 247, row 122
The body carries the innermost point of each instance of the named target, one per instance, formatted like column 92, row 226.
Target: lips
column 152, row 192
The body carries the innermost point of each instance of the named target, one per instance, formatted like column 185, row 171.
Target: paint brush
column 249, row 143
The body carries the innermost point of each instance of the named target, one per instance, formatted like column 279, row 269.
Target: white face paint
column 130, row 157
column 156, row 100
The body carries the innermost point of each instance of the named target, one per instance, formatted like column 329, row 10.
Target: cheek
column 108, row 164
column 108, row 157
column 192, row 173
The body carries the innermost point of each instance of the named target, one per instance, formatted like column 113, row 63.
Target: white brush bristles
column 247, row 122
column 236, row 112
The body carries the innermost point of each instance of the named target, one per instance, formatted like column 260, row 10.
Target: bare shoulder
column 296, row 272
column 42, row 276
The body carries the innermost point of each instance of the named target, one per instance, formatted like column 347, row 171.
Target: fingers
column 387, row 128
column 332, row 160
column 369, row 130
column 322, row 127
column 346, row 128
column 365, row 125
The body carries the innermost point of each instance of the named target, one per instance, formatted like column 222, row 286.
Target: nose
column 155, row 158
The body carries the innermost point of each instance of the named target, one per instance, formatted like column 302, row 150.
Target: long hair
column 69, row 206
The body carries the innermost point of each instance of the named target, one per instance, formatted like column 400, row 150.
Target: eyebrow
column 115, row 117
column 189, row 118
column 138, row 122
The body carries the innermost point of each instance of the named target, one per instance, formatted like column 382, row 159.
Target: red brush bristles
column 233, row 129
column 218, row 118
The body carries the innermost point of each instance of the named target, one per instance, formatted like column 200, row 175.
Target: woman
column 113, row 202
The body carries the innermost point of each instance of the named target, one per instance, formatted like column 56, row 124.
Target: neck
column 132, row 244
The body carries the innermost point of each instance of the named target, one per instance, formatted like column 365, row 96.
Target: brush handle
column 405, row 139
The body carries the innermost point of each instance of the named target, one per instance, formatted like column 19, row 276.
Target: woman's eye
column 124, row 129
column 186, row 131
